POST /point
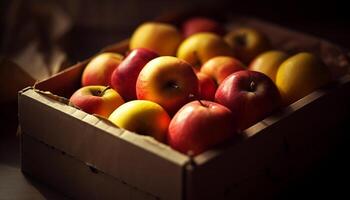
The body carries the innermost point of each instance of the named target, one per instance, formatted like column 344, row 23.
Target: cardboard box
column 86, row 157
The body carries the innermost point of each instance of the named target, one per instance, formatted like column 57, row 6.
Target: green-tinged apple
column 300, row 75
column 268, row 63
column 168, row 81
column 199, row 126
column 143, row 117
column 247, row 43
column 95, row 99
column 200, row 47
column 220, row 67
column 125, row 75
column 161, row 38
column 99, row 70
column 207, row 87
column 251, row 95
column 201, row 24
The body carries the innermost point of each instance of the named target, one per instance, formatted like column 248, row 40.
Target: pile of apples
column 197, row 85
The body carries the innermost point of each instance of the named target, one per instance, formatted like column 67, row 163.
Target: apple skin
column 199, row 126
column 218, row 68
column 300, row 75
column 247, row 43
column 268, row 63
column 201, row 24
column 99, row 70
column 161, row 38
column 97, row 99
column 143, row 117
column 200, row 47
column 125, row 75
column 168, row 81
column 207, row 87
column 251, row 95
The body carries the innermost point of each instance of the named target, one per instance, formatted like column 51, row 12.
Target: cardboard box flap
column 120, row 153
column 298, row 130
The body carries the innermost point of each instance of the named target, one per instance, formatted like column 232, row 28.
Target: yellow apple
column 161, row 38
column 247, row 43
column 143, row 117
column 168, row 81
column 268, row 63
column 300, row 75
column 200, row 47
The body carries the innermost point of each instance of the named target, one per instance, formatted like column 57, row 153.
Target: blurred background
column 39, row 38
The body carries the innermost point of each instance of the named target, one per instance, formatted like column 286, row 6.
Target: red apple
column 199, row 126
column 201, row 24
column 99, row 70
column 207, row 86
column 168, row 81
column 125, row 75
column 220, row 67
column 95, row 99
column 251, row 95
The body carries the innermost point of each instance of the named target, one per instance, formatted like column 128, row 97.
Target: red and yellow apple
column 201, row 24
column 125, row 75
column 161, row 38
column 268, row 63
column 251, row 95
column 218, row 68
column 300, row 75
column 207, row 87
column 247, row 43
column 199, row 126
column 99, row 70
column 143, row 117
column 168, row 81
column 96, row 99
column 200, row 47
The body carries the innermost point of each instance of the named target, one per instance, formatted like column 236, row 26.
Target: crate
column 86, row 157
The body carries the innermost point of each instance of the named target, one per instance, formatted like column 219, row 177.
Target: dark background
column 95, row 24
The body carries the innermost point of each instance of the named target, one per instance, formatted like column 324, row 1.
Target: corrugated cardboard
column 132, row 166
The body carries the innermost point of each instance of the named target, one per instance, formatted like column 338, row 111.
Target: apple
column 207, row 87
column 143, row 117
column 125, row 75
column 218, row 68
column 251, row 95
column 200, row 47
column 161, row 38
column 95, row 99
column 201, row 24
column 168, row 81
column 300, row 75
column 199, row 126
column 247, row 43
column 268, row 63
column 99, row 70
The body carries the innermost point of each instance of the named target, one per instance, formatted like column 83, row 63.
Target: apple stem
column 252, row 86
column 201, row 102
column 104, row 90
column 241, row 39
